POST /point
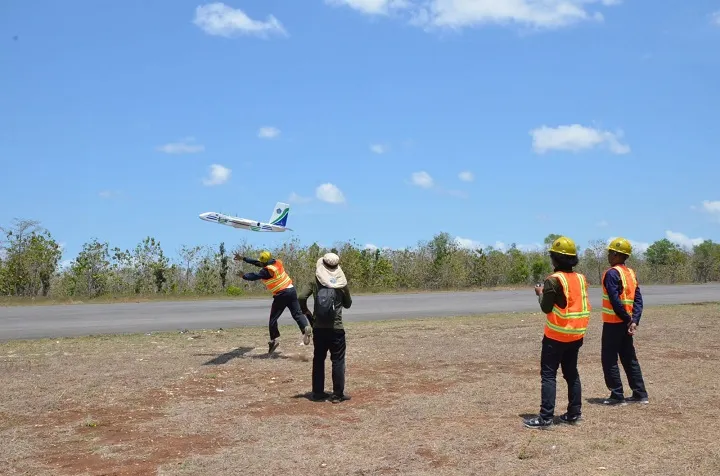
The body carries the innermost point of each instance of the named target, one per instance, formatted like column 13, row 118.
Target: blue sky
column 493, row 121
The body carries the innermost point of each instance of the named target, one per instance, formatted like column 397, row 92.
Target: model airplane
column 278, row 219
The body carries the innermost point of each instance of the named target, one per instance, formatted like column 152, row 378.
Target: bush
column 29, row 266
column 234, row 291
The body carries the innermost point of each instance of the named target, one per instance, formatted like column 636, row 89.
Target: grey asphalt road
column 86, row 319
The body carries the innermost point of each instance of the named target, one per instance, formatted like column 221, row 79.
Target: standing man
column 330, row 294
column 277, row 281
column 622, row 306
column 564, row 300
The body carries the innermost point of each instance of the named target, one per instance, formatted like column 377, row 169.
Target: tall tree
column 223, row 266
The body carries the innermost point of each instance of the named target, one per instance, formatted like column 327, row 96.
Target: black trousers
column 565, row 355
column 332, row 340
column 616, row 341
column 286, row 298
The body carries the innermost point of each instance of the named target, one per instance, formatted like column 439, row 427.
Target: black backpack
column 326, row 303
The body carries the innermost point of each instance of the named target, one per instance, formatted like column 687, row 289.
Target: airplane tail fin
column 280, row 214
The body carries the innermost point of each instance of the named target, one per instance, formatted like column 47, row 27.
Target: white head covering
column 329, row 272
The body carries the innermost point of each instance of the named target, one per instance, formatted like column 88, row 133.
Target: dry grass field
column 429, row 397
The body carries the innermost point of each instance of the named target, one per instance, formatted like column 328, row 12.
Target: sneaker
column 613, row 402
column 307, row 335
column 317, row 397
column 634, row 399
column 537, row 422
column 272, row 345
column 570, row 419
column 339, row 398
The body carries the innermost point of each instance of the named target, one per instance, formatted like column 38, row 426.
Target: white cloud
column 602, row 223
column 107, row 194
column 378, row 148
column 470, row 244
column 295, row 198
column 218, row 175
column 682, row 239
column 456, row 14
column 637, row 246
column 575, row 138
column 715, row 18
column 182, row 147
column 370, row 247
column 422, row 179
column 329, row 193
column 712, row 207
column 268, row 132
column 219, row 19
column 466, row 176
column 371, row 7
column 65, row 264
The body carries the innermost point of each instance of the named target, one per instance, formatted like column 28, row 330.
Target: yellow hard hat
column 564, row 246
column 265, row 256
column 621, row 245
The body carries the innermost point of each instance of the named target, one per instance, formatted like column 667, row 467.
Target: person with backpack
column 330, row 294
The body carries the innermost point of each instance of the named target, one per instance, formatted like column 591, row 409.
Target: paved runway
column 84, row 319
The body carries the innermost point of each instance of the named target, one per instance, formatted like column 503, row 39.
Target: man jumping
column 278, row 282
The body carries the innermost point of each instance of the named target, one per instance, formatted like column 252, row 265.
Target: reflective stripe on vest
column 569, row 324
column 279, row 279
column 627, row 296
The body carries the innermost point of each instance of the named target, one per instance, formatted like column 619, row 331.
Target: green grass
column 49, row 301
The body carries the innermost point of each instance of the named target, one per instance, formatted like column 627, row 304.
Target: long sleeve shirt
column 262, row 274
column 552, row 294
column 614, row 287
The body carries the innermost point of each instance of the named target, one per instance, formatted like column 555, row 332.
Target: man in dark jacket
column 330, row 294
column 622, row 306
column 278, row 282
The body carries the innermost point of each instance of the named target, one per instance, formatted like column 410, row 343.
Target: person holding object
column 622, row 306
column 330, row 294
column 278, row 282
column 564, row 300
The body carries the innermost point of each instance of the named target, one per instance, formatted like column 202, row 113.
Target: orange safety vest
column 627, row 296
column 569, row 324
column 279, row 279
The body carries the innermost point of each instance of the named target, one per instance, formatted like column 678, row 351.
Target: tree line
column 30, row 266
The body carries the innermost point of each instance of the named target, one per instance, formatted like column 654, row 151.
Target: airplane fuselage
column 241, row 223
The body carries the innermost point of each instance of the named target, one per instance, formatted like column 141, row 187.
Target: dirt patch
column 436, row 460
column 690, row 354
column 115, row 440
column 179, row 404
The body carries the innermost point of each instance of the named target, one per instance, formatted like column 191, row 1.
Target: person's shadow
column 240, row 353
column 308, row 396
column 228, row 356
column 595, row 401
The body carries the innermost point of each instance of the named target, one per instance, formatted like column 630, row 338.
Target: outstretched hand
column 238, row 257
